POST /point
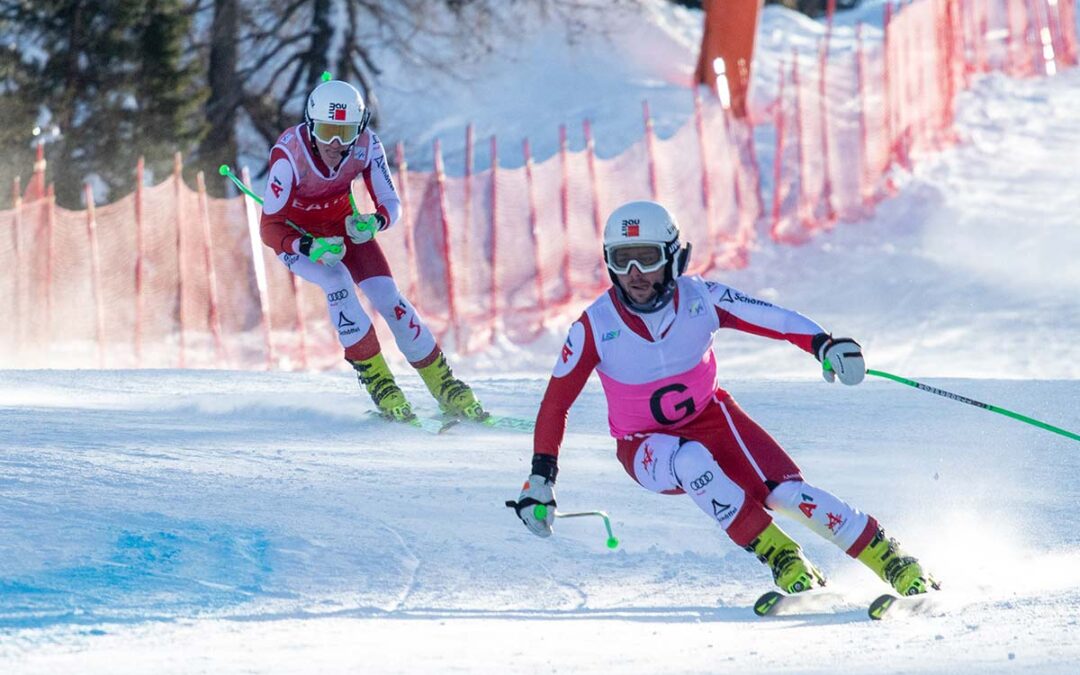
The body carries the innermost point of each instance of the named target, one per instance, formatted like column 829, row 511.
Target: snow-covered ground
column 199, row 521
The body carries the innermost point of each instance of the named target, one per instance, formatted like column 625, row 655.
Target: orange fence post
column 706, row 183
column 403, row 194
column 564, row 211
column 178, row 195
column 650, row 152
column 444, row 221
column 20, row 313
column 494, row 238
column 95, row 273
column 533, row 227
column 50, row 237
column 221, row 355
column 778, row 154
column 139, row 252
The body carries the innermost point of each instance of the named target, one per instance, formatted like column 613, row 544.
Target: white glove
column 842, row 357
column 536, row 505
column 362, row 228
column 326, row 251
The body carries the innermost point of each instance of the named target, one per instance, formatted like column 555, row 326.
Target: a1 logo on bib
column 570, row 353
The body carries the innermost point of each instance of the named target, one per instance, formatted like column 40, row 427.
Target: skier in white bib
column 312, row 168
column 650, row 340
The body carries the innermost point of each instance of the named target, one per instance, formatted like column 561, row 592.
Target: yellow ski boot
column 454, row 396
column 791, row 571
column 895, row 567
column 376, row 377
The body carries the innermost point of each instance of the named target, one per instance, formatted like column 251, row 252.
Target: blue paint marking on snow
column 169, row 567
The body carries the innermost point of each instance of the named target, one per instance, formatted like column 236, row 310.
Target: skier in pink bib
column 650, row 338
column 308, row 220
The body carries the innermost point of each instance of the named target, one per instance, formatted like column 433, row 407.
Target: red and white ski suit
column 676, row 429
column 300, row 188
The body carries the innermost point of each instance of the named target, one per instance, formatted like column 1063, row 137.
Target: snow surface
column 219, row 522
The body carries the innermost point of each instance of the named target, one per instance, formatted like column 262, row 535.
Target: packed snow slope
column 178, row 522
column 219, row 522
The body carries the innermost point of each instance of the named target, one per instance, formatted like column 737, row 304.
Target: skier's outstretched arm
column 742, row 312
column 577, row 359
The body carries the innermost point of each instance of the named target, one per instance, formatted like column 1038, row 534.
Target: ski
column 509, row 423
column 775, row 603
column 431, row 425
column 889, row 605
column 495, row 422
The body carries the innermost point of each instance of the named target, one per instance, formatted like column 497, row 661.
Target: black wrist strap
column 546, row 466
column 819, row 340
column 305, row 245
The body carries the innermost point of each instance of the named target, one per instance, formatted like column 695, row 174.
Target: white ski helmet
column 335, row 109
column 644, row 235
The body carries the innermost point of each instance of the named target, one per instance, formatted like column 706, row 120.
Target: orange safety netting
column 168, row 276
column 845, row 123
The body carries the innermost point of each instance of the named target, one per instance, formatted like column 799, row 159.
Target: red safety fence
column 846, row 122
column 170, row 277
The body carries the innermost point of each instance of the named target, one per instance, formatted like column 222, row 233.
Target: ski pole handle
column 540, row 512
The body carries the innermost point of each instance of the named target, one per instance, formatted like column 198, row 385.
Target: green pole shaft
column 977, row 404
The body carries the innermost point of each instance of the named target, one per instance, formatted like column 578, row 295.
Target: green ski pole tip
column 223, row 169
column 612, row 542
column 540, row 512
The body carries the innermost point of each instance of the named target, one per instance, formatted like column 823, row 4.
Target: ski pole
column 969, row 401
column 540, row 512
column 224, row 170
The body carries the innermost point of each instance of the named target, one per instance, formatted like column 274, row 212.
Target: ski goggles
column 645, row 256
column 328, row 131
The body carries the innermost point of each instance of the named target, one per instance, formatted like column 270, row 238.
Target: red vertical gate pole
column 221, row 355
column 650, row 150
column 564, row 210
column 178, row 194
column 139, row 263
column 444, row 221
column 533, row 225
column 494, row 238
column 95, row 273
